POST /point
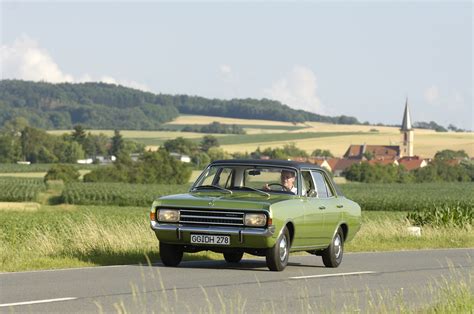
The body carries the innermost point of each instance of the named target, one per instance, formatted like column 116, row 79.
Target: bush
column 66, row 173
column 446, row 216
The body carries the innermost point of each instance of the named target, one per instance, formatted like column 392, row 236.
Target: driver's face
column 288, row 180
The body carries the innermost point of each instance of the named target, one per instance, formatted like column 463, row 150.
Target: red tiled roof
column 411, row 164
column 357, row 151
column 343, row 164
column 382, row 161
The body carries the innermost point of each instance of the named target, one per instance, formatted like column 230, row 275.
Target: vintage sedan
column 262, row 207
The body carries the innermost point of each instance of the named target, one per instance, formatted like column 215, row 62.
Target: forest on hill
column 109, row 106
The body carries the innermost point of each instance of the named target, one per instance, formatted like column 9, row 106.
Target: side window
column 308, row 184
column 328, row 188
column 320, row 184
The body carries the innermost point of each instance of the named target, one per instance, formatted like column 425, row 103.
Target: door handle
column 322, row 207
column 340, row 206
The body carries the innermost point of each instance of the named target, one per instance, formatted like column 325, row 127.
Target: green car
column 261, row 207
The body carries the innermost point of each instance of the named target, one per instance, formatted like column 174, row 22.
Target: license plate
column 210, row 239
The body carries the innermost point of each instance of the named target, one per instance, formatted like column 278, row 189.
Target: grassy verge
column 73, row 236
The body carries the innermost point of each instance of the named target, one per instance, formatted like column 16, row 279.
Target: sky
column 361, row 59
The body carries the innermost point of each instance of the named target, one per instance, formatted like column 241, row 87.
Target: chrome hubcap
column 283, row 249
column 337, row 246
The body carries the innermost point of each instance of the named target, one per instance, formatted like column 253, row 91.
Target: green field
column 20, row 189
column 36, row 168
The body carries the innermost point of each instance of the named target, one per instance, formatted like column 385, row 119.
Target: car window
column 224, row 179
column 320, row 184
column 308, row 185
column 328, row 187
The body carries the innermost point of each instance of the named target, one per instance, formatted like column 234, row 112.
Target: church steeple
column 408, row 135
column 406, row 124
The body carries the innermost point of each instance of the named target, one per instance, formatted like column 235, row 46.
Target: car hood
column 218, row 200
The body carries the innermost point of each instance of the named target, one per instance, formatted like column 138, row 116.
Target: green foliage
column 322, row 153
column 108, row 106
column 287, row 151
column 121, row 194
column 66, row 173
column 151, row 168
column 430, row 126
column 209, row 141
column 448, row 154
column 377, row 173
column 117, row 146
column 215, row 127
column 410, row 197
column 181, row 145
column 93, row 105
column 440, row 171
column 20, row 190
column 16, row 168
column 443, row 216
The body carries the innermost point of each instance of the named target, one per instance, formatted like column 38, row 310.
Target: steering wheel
column 280, row 185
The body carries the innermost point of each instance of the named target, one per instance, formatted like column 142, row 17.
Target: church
column 387, row 152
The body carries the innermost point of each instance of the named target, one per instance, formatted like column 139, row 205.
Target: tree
column 209, row 141
column 448, row 154
column 117, row 144
column 322, row 153
column 181, row 146
column 79, row 134
column 66, row 173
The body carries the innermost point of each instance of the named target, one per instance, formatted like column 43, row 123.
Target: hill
column 108, row 106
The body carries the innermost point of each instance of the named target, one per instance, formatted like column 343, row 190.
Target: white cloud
column 297, row 90
column 432, row 95
column 24, row 59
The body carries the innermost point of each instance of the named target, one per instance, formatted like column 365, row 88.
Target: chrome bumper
column 235, row 231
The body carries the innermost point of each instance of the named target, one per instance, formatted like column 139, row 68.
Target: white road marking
column 37, row 302
column 335, row 275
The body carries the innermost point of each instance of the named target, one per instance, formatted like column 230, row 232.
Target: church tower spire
column 407, row 132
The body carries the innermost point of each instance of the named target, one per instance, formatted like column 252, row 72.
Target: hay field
column 427, row 142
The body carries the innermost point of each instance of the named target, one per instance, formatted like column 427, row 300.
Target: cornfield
column 19, row 189
column 121, row 194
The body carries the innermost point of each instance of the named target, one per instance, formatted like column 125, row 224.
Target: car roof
column 267, row 162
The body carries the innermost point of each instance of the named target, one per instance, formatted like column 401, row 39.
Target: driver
column 287, row 179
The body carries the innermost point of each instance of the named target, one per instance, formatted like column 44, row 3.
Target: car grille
column 205, row 217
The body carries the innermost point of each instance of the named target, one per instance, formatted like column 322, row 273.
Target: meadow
column 20, row 190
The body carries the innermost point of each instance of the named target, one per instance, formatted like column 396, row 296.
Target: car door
column 332, row 209
column 314, row 208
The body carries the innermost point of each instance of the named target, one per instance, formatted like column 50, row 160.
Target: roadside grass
column 66, row 236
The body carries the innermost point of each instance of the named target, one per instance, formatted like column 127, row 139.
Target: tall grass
column 72, row 236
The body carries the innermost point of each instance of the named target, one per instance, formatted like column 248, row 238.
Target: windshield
column 248, row 178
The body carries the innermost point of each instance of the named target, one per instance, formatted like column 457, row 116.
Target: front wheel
column 171, row 255
column 277, row 256
column 332, row 255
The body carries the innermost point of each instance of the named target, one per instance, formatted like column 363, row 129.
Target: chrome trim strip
column 213, row 217
column 211, row 223
column 265, row 232
column 239, row 210
column 210, row 211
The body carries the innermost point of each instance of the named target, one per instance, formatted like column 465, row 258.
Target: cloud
column 297, row 90
column 24, row 59
column 432, row 95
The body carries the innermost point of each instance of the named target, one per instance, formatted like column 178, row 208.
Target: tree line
column 108, row 106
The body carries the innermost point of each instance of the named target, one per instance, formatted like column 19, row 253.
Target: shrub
column 66, row 173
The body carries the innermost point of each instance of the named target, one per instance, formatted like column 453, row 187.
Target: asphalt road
column 363, row 281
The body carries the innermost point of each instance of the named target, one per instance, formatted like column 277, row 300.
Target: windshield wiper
column 254, row 189
column 211, row 186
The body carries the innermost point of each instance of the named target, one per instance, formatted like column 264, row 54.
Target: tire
column 233, row 257
column 332, row 255
column 171, row 255
column 277, row 256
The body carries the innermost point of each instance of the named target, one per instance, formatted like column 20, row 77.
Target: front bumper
column 242, row 237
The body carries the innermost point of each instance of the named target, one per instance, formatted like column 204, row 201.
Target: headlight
column 168, row 215
column 255, row 220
